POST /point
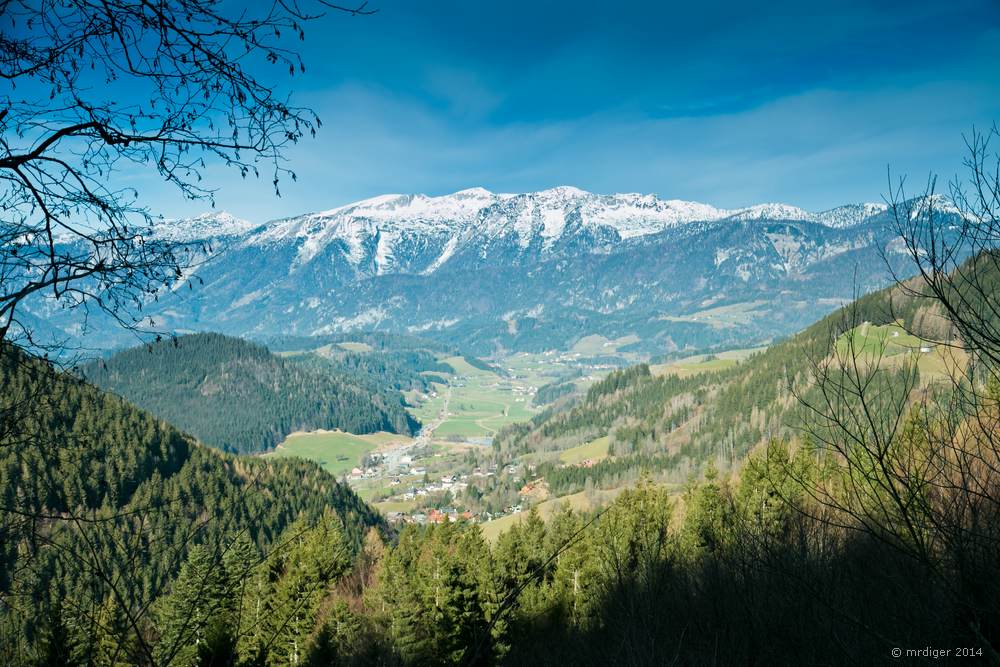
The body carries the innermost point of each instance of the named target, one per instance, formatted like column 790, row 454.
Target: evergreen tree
column 197, row 618
column 311, row 560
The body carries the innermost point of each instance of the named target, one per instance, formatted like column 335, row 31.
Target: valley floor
column 426, row 478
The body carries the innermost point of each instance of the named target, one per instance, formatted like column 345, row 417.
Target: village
column 414, row 480
column 448, row 471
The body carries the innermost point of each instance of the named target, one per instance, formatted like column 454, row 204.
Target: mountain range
column 534, row 271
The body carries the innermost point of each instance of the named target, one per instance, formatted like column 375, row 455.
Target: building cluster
column 447, row 514
column 454, row 483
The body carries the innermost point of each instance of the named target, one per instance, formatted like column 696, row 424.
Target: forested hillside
column 102, row 503
column 658, row 421
column 883, row 530
column 239, row 397
column 863, row 529
column 391, row 361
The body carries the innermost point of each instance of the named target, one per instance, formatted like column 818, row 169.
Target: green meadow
column 704, row 363
column 336, row 451
column 872, row 340
column 595, row 449
column 481, row 401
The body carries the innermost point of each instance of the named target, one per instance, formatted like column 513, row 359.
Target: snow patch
column 435, row 325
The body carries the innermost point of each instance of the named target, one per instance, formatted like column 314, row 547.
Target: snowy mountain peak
column 850, row 214
column 840, row 217
column 935, row 204
column 473, row 192
column 417, row 233
column 562, row 191
column 203, row 227
column 770, row 211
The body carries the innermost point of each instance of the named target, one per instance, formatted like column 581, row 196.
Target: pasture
column 595, row 449
column 336, row 451
column 476, row 403
column 892, row 347
column 580, row 502
column 704, row 363
column 723, row 317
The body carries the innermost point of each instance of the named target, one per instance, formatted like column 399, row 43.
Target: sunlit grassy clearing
column 578, row 501
column 336, row 451
column 722, row 317
column 877, row 340
column 704, row 363
column 481, row 403
column 595, row 344
column 892, row 347
column 463, row 367
column 395, row 506
column 465, row 428
column 356, row 347
column 595, row 449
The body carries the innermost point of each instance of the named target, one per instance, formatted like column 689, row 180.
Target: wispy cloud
column 716, row 102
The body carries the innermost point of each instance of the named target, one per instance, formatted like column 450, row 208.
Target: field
column 395, row 506
column 476, row 403
column 595, row 449
column 871, row 341
column 722, row 317
column 355, row 347
column 578, row 501
column 703, row 363
column 595, row 345
column 336, row 451
column 892, row 346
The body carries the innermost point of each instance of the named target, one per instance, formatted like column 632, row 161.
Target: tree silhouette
column 99, row 93
column 102, row 89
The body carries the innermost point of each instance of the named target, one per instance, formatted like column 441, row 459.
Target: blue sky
column 730, row 103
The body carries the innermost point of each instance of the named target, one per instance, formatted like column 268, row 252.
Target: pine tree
column 315, row 558
column 195, row 619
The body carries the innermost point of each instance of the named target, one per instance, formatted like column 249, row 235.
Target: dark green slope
column 239, row 397
column 393, row 361
column 100, row 502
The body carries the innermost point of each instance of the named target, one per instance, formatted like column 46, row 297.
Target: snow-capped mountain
column 475, row 216
column 203, row 227
column 420, row 234
column 532, row 270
